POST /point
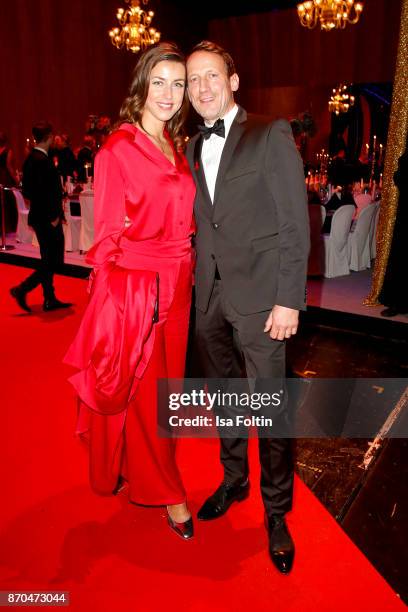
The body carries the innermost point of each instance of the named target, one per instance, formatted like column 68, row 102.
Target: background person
column 42, row 187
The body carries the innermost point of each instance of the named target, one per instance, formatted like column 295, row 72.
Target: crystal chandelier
column 340, row 100
column 330, row 13
column 135, row 33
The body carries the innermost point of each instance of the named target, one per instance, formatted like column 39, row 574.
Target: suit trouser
column 264, row 359
column 51, row 241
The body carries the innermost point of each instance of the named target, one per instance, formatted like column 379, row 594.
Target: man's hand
column 282, row 322
column 55, row 222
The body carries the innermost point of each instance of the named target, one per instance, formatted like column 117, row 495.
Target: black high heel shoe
column 184, row 530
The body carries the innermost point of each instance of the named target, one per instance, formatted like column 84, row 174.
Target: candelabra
column 322, row 161
column 377, row 148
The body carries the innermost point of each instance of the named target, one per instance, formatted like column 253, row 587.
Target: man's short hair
column 41, row 130
column 210, row 47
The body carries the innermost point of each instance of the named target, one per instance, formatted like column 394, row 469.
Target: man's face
column 210, row 89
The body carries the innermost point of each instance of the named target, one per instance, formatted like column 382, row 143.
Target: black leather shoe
column 221, row 500
column 281, row 546
column 389, row 312
column 184, row 530
column 55, row 305
column 20, row 296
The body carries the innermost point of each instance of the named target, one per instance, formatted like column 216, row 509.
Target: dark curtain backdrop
column 57, row 62
column 286, row 69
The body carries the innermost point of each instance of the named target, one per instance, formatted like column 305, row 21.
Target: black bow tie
column 218, row 128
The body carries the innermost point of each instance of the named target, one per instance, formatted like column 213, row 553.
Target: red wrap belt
column 115, row 339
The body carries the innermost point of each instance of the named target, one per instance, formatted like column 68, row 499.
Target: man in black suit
column 42, row 187
column 252, row 250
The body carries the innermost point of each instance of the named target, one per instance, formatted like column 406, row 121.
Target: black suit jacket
column 42, row 186
column 257, row 230
column 337, row 201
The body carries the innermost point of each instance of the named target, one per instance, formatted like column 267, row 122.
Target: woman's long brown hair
column 132, row 107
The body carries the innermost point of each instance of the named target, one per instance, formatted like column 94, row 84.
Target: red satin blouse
column 143, row 212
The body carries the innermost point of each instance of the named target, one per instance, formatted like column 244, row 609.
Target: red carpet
column 113, row 556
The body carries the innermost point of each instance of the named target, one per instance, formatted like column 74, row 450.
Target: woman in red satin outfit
column 134, row 330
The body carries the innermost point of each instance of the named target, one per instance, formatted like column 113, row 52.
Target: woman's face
column 166, row 91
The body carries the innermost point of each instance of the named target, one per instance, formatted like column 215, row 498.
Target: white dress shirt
column 212, row 150
column 42, row 150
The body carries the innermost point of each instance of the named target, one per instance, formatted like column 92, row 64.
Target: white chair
column 373, row 231
column 24, row 232
column 72, row 228
column 323, row 213
column 86, row 238
column 317, row 215
column 335, row 244
column 359, row 240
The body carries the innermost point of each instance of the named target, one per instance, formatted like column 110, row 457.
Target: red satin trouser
column 128, row 443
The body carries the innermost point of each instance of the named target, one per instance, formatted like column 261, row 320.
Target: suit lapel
column 234, row 136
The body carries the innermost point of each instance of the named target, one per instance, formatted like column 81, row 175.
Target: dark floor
column 371, row 503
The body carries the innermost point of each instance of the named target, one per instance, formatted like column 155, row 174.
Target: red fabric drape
column 57, row 63
column 274, row 50
column 285, row 68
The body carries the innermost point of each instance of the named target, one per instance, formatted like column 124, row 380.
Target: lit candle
column 381, row 154
column 380, row 180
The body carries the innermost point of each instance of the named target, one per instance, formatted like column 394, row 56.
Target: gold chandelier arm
column 332, row 14
column 308, row 14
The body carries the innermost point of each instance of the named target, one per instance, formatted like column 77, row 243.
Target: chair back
column 340, row 227
column 21, row 205
column 364, row 221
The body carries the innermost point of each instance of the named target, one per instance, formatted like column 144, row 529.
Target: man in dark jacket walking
column 42, row 187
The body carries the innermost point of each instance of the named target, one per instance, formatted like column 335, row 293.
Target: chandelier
column 330, row 13
column 340, row 100
column 135, row 33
